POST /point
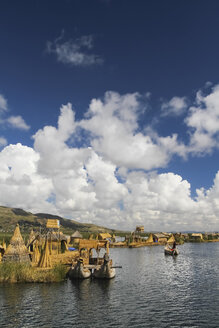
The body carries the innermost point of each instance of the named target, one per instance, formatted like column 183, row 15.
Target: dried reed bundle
column 36, row 254
column 45, row 261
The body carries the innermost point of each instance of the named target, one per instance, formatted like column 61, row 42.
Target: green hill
column 9, row 217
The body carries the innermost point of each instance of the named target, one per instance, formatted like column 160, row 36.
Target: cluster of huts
column 40, row 250
column 137, row 238
column 17, row 251
column 153, row 239
column 44, row 250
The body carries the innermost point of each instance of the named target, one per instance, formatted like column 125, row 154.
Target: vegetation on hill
column 9, row 217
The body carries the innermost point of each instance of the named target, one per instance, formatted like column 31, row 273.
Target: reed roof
column 56, row 236
column 77, row 234
column 16, row 245
column 104, row 235
column 16, row 250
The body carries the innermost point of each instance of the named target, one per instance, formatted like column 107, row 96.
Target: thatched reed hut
column 160, row 237
column 57, row 242
column 104, row 236
column 197, row 236
column 16, row 250
column 75, row 237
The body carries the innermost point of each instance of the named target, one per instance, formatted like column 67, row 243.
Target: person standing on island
column 174, row 244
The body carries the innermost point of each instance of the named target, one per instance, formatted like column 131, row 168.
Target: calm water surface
column 151, row 290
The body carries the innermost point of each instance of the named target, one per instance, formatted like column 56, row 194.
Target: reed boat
column 78, row 271
column 170, row 251
column 87, row 265
column 105, row 271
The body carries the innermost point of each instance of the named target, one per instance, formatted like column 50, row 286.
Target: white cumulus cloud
column 113, row 123
column 203, row 120
column 20, row 183
column 110, row 180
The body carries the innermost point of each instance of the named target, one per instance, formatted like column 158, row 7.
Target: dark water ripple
column 151, row 290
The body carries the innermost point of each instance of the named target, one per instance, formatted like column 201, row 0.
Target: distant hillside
column 9, row 217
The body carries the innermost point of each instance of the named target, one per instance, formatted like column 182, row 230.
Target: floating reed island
column 41, row 260
column 49, row 257
column 139, row 238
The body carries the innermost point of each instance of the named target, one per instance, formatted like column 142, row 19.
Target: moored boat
column 88, row 265
column 78, row 271
column 105, row 271
column 170, row 251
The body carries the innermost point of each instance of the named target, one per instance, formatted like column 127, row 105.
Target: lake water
column 151, row 290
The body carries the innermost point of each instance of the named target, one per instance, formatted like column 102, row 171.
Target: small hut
column 16, row 250
column 160, row 238
column 104, row 236
column 75, row 237
column 57, row 242
column 197, row 236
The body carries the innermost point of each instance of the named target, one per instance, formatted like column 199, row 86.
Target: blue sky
column 109, row 111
